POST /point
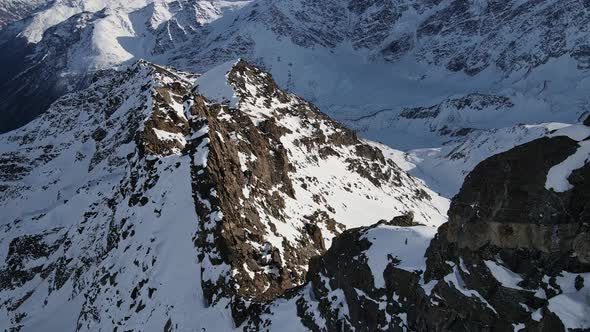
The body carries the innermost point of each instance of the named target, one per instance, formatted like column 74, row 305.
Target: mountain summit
column 153, row 192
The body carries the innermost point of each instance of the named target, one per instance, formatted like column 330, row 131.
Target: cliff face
column 151, row 192
column 505, row 202
column 513, row 255
column 282, row 180
column 518, row 235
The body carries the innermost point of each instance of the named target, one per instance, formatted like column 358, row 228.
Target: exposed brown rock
column 406, row 220
column 267, row 175
column 504, row 202
column 164, row 118
column 486, row 226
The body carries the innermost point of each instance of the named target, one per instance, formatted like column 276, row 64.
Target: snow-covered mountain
column 445, row 141
column 143, row 194
column 15, row 10
column 217, row 196
column 351, row 58
column 369, row 64
column 58, row 49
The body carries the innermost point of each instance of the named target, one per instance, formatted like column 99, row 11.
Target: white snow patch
column 202, row 153
column 215, row 87
column 203, row 131
column 167, row 136
column 506, row 277
column 408, row 244
column 572, row 306
column 518, row 327
column 537, row 315
column 558, row 174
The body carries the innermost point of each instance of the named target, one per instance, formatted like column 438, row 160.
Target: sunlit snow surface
column 73, row 190
column 347, row 83
column 406, row 244
column 214, row 85
column 352, row 84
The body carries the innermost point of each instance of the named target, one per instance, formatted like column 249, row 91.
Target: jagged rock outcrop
column 520, row 246
column 275, row 167
column 148, row 193
column 452, row 116
column 364, row 289
column 513, row 256
column 504, row 201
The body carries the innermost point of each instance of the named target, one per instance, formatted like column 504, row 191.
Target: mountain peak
column 174, row 170
column 141, row 166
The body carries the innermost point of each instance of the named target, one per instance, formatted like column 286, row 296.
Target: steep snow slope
column 88, row 249
column 15, row 10
column 401, row 73
column 351, row 58
column 141, row 204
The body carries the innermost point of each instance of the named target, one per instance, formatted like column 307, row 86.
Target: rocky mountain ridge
column 474, row 46
column 333, row 55
column 199, row 201
column 210, row 197
column 516, row 261
column 248, row 185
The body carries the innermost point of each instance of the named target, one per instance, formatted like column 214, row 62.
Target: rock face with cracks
column 263, row 174
column 155, row 190
column 144, row 195
column 513, row 254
